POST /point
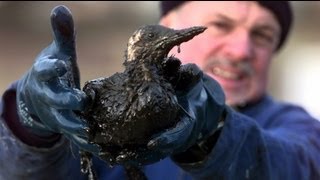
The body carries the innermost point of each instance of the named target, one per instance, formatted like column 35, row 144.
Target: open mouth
column 228, row 69
column 226, row 74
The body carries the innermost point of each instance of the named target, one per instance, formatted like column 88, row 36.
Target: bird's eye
column 150, row 35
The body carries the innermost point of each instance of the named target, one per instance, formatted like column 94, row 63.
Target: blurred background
column 103, row 29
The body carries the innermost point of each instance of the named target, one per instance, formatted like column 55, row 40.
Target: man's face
column 237, row 47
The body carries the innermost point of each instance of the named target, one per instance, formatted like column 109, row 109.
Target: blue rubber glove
column 49, row 95
column 202, row 103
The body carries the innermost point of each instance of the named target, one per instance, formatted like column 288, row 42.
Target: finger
column 62, row 97
column 66, row 122
column 190, row 74
column 63, row 29
column 64, row 39
column 47, row 68
column 173, row 137
column 83, row 144
column 171, row 65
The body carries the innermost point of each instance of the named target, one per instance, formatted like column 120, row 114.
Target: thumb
column 63, row 30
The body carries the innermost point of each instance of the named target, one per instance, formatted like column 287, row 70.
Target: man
column 263, row 139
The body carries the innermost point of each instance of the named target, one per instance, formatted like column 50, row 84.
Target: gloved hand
column 49, row 93
column 202, row 103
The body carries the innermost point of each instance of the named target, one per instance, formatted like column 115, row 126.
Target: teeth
column 225, row 74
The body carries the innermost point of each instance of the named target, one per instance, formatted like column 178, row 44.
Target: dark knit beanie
column 281, row 9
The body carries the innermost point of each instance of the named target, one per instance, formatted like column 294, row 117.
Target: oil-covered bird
column 127, row 108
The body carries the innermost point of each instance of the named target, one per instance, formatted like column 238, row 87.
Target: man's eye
column 223, row 26
column 263, row 38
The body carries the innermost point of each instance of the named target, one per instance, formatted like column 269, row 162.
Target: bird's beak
column 176, row 37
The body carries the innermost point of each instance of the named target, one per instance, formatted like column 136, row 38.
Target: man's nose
column 239, row 46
